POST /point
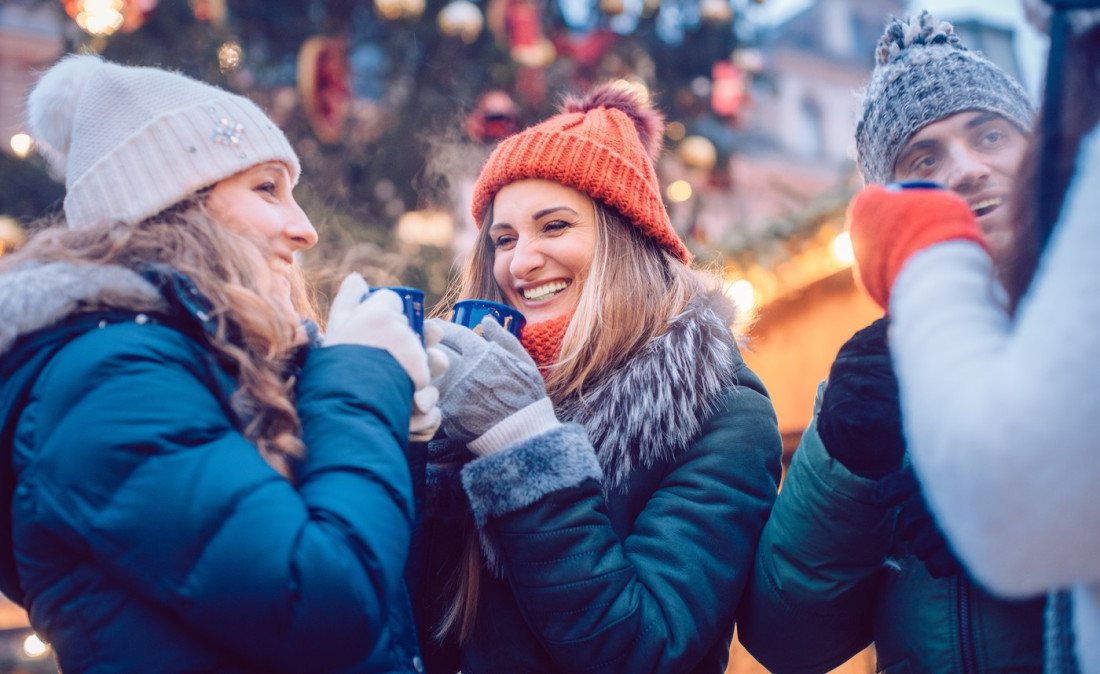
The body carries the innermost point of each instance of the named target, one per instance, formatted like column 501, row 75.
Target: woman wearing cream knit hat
column 598, row 486
column 196, row 482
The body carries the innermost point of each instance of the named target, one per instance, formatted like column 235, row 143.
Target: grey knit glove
column 426, row 415
column 492, row 395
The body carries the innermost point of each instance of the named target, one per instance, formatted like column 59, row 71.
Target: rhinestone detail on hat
column 228, row 133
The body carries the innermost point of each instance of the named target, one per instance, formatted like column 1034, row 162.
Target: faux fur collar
column 36, row 295
column 652, row 408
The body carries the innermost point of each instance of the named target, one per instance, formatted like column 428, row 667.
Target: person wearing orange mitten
column 889, row 224
column 851, row 554
column 999, row 390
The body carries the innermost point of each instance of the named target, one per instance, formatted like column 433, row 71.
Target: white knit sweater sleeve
column 1003, row 419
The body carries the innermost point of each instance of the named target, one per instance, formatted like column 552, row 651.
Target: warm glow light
column 34, row 647
column 426, row 228
column 698, row 152
column 230, row 55
column 842, row 249
column 399, row 9
column 21, row 144
column 100, row 17
column 679, row 191
column 742, row 294
column 675, row 131
column 11, row 234
column 462, row 19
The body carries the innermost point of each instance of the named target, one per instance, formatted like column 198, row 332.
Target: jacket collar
column 37, row 295
column 651, row 409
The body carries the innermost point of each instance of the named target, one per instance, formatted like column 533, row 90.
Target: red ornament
column 323, row 83
column 729, row 89
column 495, row 117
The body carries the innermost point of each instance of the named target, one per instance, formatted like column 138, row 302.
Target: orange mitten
column 888, row 224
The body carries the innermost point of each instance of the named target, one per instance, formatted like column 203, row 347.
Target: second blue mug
column 470, row 313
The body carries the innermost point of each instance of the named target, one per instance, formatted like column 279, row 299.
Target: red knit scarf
column 543, row 340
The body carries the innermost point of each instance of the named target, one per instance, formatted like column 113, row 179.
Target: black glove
column 915, row 525
column 860, row 417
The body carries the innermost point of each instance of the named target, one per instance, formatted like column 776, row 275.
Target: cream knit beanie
column 132, row 141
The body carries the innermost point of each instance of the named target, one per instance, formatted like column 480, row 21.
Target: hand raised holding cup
column 412, row 301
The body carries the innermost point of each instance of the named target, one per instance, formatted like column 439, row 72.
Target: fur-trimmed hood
column 36, row 295
column 653, row 407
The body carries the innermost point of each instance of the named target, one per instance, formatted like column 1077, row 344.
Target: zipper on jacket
column 966, row 633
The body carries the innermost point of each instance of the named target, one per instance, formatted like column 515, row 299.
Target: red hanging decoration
column 324, row 84
column 729, row 90
column 526, row 40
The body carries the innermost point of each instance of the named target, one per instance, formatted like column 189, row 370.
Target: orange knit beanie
column 603, row 145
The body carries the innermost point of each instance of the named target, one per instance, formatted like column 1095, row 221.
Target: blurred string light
column 461, row 19
column 698, row 152
column 742, row 294
column 21, row 144
column 34, row 647
column 842, row 249
column 393, row 10
column 230, row 57
column 99, row 17
column 104, row 17
column 678, row 191
column 426, row 228
column 11, row 234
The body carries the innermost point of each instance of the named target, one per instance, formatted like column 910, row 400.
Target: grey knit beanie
column 130, row 141
column 922, row 75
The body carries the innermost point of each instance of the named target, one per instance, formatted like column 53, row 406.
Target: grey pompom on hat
column 924, row 74
column 133, row 141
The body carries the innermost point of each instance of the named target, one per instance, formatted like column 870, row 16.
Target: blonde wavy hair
column 231, row 270
column 632, row 292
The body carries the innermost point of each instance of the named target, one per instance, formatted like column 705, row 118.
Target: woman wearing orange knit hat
column 598, row 486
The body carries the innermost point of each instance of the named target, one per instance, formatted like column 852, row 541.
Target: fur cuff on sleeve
column 517, row 477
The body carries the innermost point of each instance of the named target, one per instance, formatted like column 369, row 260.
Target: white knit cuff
column 535, row 419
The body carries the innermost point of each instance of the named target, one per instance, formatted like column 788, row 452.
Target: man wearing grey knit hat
column 935, row 110
column 850, row 555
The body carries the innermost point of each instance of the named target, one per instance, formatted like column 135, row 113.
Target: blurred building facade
column 780, row 225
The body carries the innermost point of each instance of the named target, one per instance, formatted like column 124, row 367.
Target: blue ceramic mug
column 470, row 313
column 412, row 300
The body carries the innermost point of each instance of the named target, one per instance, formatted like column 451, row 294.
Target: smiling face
column 976, row 155
column 543, row 236
column 258, row 203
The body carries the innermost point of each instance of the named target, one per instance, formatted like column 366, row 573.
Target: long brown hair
column 1078, row 112
column 632, row 292
column 232, row 272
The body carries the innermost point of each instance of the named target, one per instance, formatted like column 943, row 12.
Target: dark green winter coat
column 622, row 541
column 830, row 578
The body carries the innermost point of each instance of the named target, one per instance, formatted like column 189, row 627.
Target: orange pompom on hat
column 603, row 145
